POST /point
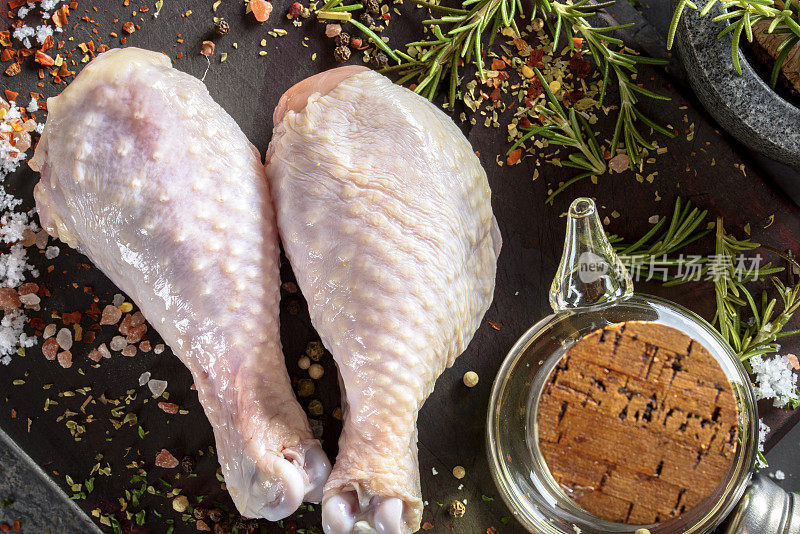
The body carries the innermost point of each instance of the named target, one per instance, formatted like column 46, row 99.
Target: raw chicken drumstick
column 385, row 214
column 144, row 173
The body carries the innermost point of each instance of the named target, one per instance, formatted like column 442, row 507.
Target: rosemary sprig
column 654, row 248
column 758, row 336
column 783, row 17
column 569, row 129
column 463, row 39
column 573, row 21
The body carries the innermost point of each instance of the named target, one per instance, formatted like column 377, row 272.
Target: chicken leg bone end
column 342, row 513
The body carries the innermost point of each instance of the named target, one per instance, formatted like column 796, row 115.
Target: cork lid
column 638, row 423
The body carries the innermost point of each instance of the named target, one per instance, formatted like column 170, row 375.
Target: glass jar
column 592, row 290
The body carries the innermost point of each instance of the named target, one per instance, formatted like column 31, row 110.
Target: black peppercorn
column 200, row 511
column 215, row 515
column 367, row 20
column 343, row 39
column 342, row 54
column 187, row 464
column 379, row 60
column 221, row 27
column 222, row 528
column 373, row 7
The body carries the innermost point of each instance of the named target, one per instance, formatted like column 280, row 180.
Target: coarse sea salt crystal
column 763, row 430
column 51, row 252
column 157, row 387
column 144, row 378
column 43, row 32
column 33, row 106
column 780, row 475
column 774, row 379
column 48, row 5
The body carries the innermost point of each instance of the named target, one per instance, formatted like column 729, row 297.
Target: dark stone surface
column 742, row 104
column 451, row 424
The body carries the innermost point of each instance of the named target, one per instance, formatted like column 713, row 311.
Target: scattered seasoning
column 316, row 371
column 459, row 472
column 341, row 54
column 221, row 27
column 457, row 509
column 470, row 379
column 207, row 48
column 166, row 460
column 261, row 9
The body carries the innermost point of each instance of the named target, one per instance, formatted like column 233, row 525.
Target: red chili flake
column 387, row 16
column 498, row 64
column 16, row 526
column 427, row 526
column 573, row 96
column 495, row 94
column 535, row 59
column 128, row 27
column 579, row 66
column 13, row 69
column 5, row 528
column 14, row 4
column 179, row 55
column 102, row 48
column 356, row 42
column 577, row 42
column 261, row 9
column 521, row 44
column 5, row 38
column 44, row 59
column 166, row 460
column 13, row 413
column 536, row 88
column 525, row 123
column 513, row 159
column 496, row 326
column 168, row 407
column 6, row 54
column 793, row 360
column 50, row 348
column 295, row 10
column 71, row 318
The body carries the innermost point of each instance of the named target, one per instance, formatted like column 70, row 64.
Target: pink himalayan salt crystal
column 111, row 315
column 166, row 460
column 65, row 359
column 332, row 30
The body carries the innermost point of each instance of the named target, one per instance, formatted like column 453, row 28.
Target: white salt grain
column 118, row 299
column 774, row 379
column 157, row 387
column 102, row 349
column 118, row 343
column 159, row 348
column 64, row 338
column 780, row 475
column 51, row 253
column 144, row 378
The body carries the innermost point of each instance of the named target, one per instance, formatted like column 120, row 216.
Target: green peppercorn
column 305, row 387
column 221, row 27
column 379, row 60
column 373, row 7
column 341, row 53
column 343, row 39
column 315, row 350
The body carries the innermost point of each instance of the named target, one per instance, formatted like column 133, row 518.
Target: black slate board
column 451, row 425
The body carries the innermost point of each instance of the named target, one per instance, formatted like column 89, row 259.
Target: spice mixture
column 638, row 423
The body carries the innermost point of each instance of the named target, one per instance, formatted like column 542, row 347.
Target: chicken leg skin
column 385, row 215
column 145, row 174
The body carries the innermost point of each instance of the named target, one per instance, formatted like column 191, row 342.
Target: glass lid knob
column 590, row 272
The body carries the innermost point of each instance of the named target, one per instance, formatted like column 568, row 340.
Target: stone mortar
column 744, row 105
